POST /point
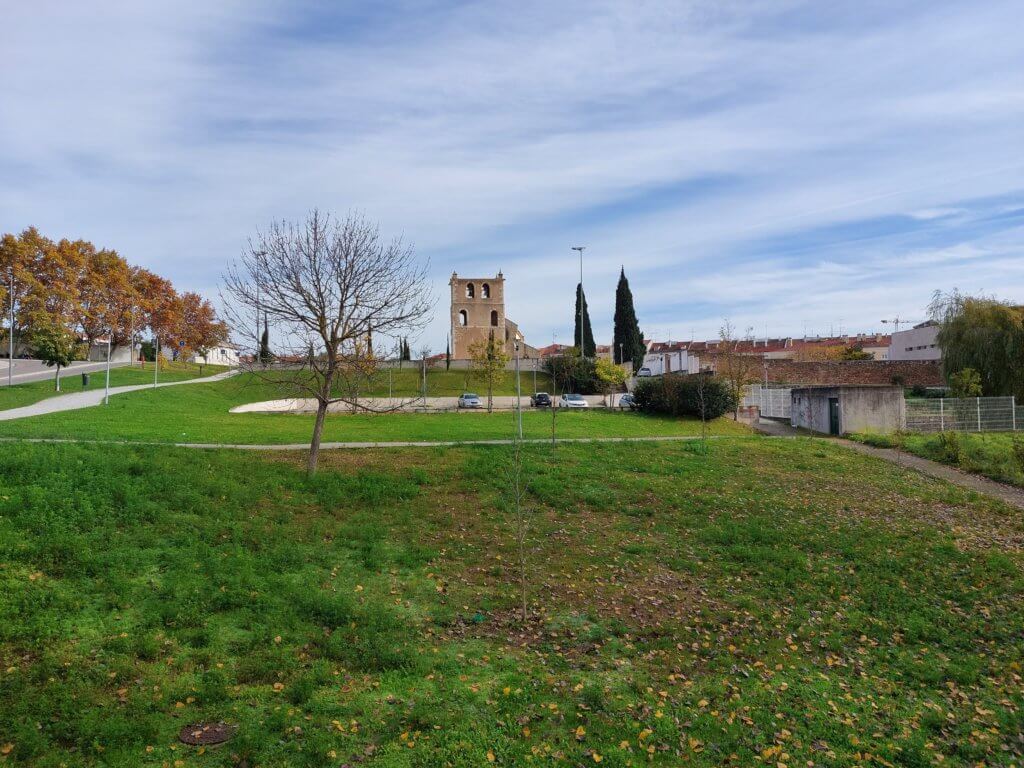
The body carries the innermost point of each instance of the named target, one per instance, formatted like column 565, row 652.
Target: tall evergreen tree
column 589, row 349
column 628, row 341
column 265, row 353
column 448, row 354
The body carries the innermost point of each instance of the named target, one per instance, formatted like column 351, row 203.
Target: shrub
column 680, row 395
column 951, row 448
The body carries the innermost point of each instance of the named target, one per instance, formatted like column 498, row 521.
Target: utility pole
column 580, row 248
column 156, row 359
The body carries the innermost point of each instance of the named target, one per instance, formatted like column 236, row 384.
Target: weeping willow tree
column 984, row 334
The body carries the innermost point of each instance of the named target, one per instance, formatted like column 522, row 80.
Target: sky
column 794, row 167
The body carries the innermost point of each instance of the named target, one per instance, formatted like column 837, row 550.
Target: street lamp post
column 580, row 248
column 519, row 402
column 106, row 387
column 10, row 339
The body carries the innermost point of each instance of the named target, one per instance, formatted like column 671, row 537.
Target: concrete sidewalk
column 28, row 371
column 89, row 398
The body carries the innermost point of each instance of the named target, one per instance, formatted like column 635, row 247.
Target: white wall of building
column 678, row 361
column 919, row 343
column 218, row 356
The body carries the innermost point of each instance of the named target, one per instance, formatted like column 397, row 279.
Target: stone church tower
column 478, row 308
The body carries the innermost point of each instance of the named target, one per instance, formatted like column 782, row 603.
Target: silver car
column 572, row 401
column 469, row 400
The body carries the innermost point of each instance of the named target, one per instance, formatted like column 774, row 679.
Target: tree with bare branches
column 326, row 284
column 738, row 368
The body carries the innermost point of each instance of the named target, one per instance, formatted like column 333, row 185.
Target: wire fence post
column 1013, row 411
column 978, row 402
column 942, row 414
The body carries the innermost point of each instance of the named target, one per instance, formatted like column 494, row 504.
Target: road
column 26, row 371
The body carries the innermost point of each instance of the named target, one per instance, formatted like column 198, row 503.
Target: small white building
column 669, row 357
column 222, row 354
column 917, row 343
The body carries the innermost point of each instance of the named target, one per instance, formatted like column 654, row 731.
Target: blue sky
column 800, row 166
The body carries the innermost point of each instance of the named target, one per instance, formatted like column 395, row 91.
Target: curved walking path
column 91, row 397
column 1010, row 494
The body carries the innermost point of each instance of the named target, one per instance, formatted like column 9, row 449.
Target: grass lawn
column 405, row 382
column 773, row 602
column 199, row 413
column 990, row 454
column 32, row 392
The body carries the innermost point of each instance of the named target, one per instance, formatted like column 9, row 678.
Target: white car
column 572, row 401
column 645, row 371
column 469, row 400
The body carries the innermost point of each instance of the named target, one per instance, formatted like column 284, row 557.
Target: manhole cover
column 205, row 734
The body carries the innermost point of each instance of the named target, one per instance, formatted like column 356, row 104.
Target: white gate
column 774, row 402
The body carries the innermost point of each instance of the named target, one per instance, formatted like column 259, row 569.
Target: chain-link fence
column 965, row 414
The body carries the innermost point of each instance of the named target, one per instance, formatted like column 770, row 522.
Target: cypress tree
column 628, row 341
column 588, row 348
column 448, row 354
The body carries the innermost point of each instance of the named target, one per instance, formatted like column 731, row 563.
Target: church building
column 477, row 310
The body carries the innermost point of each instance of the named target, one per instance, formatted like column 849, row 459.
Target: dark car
column 540, row 400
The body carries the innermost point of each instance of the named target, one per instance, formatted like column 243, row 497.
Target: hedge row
column 682, row 395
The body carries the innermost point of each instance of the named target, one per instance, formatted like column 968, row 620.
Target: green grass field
column 405, row 382
column 990, row 454
column 199, row 413
column 32, row 392
column 773, row 602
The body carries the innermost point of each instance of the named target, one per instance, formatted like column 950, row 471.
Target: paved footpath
column 91, row 397
column 1008, row 493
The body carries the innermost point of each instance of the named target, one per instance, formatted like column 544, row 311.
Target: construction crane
column 896, row 323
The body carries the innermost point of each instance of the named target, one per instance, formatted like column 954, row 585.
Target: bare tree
column 326, row 284
column 737, row 367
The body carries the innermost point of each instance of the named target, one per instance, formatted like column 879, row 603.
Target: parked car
column 645, row 371
column 572, row 401
column 469, row 400
column 627, row 401
column 540, row 400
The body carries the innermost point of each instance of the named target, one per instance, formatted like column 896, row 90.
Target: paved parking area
column 26, row 371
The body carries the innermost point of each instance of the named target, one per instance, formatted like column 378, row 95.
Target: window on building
column 494, row 318
column 470, row 291
column 463, row 318
column 485, row 291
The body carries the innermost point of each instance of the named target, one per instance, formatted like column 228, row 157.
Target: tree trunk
column 314, row 444
column 490, row 396
column 56, row 380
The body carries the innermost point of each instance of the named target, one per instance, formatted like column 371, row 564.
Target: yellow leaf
column 597, row 757
column 581, row 732
column 490, row 756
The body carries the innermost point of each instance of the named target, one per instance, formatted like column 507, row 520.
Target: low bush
column 683, row 395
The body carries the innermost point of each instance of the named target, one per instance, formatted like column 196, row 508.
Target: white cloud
column 488, row 133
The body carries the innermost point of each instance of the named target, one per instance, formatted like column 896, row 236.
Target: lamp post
column 519, row 401
column 580, row 248
column 10, row 339
column 106, row 387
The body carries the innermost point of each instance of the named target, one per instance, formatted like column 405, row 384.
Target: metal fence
column 966, row 414
column 774, row 402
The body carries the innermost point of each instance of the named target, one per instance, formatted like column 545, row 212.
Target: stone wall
column 908, row 373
